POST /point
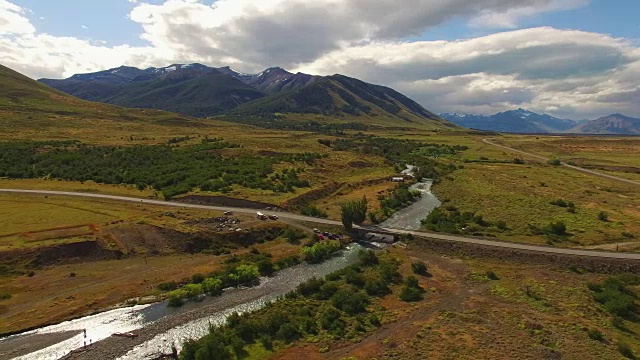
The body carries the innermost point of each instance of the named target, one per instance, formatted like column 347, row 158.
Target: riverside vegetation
column 338, row 307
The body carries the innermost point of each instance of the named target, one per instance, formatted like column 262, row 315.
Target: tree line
column 169, row 169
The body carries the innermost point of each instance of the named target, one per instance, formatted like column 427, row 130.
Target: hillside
column 342, row 96
column 612, row 124
column 513, row 121
column 29, row 109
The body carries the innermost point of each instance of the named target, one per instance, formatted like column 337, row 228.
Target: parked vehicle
column 273, row 217
column 228, row 213
column 261, row 216
column 316, row 231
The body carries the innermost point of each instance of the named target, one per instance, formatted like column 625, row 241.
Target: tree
column 354, row 212
column 347, row 216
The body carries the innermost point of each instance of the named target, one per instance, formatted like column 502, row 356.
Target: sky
column 569, row 58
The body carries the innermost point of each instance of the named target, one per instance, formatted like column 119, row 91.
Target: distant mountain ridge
column 611, row 124
column 203, row 91
column 512, row 121
column 524, row 121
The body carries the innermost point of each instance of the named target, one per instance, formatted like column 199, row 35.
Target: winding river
column 409, row 218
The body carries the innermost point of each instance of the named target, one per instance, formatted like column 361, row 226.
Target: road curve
column 284, row 215
column 577, row 168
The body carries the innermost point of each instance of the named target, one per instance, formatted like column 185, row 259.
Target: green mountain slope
column 29, row 109
column 340, row 96
column 194, row 92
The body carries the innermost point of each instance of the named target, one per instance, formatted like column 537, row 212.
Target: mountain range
column 524, row 121
column 202, row 91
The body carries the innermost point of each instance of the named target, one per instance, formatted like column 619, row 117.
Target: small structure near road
column 397, row 179
column 377, row 236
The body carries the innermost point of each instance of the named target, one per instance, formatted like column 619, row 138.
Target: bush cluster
column 335, row 307
column 238, row 270
column 616, row 296
column 320, row 251
column 449, row 219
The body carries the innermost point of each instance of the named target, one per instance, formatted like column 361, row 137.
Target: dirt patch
column 59, row 254
column 225, row 201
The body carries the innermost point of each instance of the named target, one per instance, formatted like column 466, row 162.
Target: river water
column 409, row 218
column 103, row 325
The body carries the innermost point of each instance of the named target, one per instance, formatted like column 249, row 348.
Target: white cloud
column 85, row 27
column 510, row 17
column 569, row 73
column 13, row 21
column 566, row 72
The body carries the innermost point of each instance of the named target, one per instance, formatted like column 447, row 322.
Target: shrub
column 557, row 228
column 72, row 275
column 212, row 286
column 595, row 334
column 320, row 251
column 193, row 290
column 368, row 258
column 625, row 350
column 420, row 268
column 197, row 278
column 554, row 162
column 310, row 287
column 376, row 287
column 411, row 291
column 409, row 294
column 491, row 275
column 265, row 267
column 603, row 216
column 314, row 212
column 168, row 286
column 5, row 296
column 174, row 302
column 501, row 225
column 294, row 235
column 614, row 295
column 559, row 202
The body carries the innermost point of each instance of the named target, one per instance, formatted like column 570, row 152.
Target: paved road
column 491, row 243
column 488, row 141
